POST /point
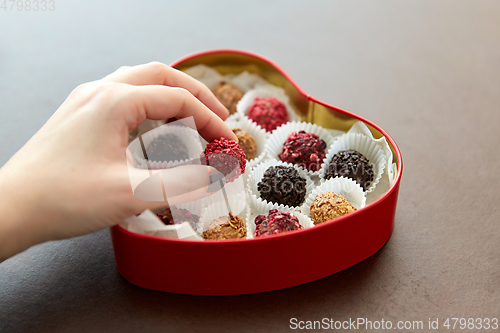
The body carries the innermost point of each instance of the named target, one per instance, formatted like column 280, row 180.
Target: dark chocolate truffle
column 282, row 185
column 225, row 156
column 303, row 149
column 275, row 222
column 228, row 94
column 226, row 227
column 268, row 112
column 173, row 215
column 167, row 148
column 327, row 206
column 247, row 143
column 351, row 164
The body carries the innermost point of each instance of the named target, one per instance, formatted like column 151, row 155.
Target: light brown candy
column 228, row 94
column 247, row 143
column 226, row 227
column 327, row 206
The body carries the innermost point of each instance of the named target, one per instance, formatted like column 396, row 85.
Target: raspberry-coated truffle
column 226, row 227
column 180, row 215
column 225, row 156
column 268, row 112
column 327, row 206
column 303, row 149
column 167, row 147
column 228, row 94
column 247, row 143
column 351, row 164
column 282, row 185
column 275, row 222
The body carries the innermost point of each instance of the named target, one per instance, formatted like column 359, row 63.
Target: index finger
column 137, row 104
column 156, row 73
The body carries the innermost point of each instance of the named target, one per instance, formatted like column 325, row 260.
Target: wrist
column 17, row 232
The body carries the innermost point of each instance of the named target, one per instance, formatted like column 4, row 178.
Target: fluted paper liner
column 210, row 77
column 363, row 144
column 263, row 208
column 149, row 224
column 390, row 169
column 258, row 173
column 278, row 137
column 345, row 187
column 235, row 189
column 194, row 207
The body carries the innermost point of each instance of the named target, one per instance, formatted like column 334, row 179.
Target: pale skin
column 71, row 178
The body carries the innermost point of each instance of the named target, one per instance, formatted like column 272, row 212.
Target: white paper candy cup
column 258, row 173
column 263, row 208
column 257, row 132
column 275, row 143
column 206, row 75
column 210, row 77
column 264, row 91
column 220, row 208
column 345, row 187
column 235, row 117
column 149, row 224
column 189, row 137
column 194, row 207
column 363, row 144
column 235, row 190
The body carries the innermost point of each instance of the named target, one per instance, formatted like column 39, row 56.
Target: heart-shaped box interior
column 244, row 266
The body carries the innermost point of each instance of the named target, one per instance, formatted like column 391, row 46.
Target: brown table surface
column 428, row 72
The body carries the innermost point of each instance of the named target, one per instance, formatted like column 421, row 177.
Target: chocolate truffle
column 275, row 222
column 303, row 149
column 167, row 148
column 351, row 164
column 225, row 156
column 268, row 112
column 173, row 215
column 282, row 185
column 327, row 206
column 226, row 227
column 247, row 143
column 228, row 94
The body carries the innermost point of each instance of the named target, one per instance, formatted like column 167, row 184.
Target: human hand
column 71, row 177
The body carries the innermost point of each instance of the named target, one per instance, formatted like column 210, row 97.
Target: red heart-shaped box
column 246, row 266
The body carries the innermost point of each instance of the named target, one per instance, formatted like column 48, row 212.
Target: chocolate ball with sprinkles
column 268, row 112
column 351, row 164
column 167, row 148
column 282, row 185
column 227, row 157
column 275, row 222
column 303, row 149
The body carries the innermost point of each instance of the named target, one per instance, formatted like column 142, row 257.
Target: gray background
column 428, row 72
